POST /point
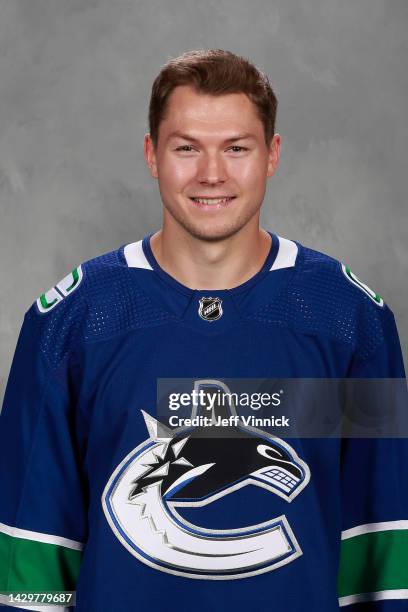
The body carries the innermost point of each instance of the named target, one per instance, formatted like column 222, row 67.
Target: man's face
column 211, row 147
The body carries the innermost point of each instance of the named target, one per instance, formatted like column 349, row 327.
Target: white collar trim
column 135, row 257
column 286, row 257
column 287, row 254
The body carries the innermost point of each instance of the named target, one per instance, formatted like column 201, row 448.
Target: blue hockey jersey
column 96, row 499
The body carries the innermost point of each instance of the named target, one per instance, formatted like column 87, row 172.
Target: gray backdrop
column 75, row 78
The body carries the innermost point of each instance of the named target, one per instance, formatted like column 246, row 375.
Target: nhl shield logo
column 210, row 308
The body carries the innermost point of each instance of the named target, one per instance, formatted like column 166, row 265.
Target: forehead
column 188, row 109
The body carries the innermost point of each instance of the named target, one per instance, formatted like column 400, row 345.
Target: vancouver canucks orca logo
column 181, row 468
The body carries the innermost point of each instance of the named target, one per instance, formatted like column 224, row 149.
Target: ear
column 274, row 154
column 150, row 155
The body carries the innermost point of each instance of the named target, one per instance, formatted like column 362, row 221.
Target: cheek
column 247, row 174
column 177, row 174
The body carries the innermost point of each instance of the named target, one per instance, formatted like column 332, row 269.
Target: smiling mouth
column 222, row 200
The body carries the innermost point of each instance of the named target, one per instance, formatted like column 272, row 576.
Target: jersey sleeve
column 373, row 572
column 42, row 504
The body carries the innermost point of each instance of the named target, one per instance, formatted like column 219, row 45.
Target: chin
column 212, row 232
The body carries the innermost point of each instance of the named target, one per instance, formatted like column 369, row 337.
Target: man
column 101, row 496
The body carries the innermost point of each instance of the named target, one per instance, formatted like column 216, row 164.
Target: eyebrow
column 192, row 139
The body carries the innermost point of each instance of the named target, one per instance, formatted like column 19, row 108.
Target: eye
column 264, row 450
column 239, row 148
column 187, row 148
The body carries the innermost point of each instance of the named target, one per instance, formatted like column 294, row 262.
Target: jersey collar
column 282, row 254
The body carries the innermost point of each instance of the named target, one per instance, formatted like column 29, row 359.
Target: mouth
column 279, row 477
column 212, row 203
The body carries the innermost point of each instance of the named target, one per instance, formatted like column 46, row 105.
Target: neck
column 202, row 264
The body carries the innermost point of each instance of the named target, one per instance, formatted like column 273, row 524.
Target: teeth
column 211, row 200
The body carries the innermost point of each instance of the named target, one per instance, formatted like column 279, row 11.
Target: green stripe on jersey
column 376, row 561
column 75, row 279
column 28, row 565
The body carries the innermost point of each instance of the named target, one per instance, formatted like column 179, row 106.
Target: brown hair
column 214, row 72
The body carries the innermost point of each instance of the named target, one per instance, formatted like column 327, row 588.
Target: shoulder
column 93, row 280
column 346, row 306
column 99, row 298
column 323, row 295
column 71, row 291
column 332, row 279
column 57, row 320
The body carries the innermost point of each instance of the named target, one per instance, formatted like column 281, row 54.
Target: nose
column 211, row 169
